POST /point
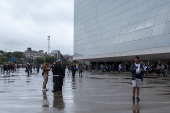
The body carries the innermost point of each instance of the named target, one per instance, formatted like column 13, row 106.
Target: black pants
column 158, row 71
column 58, row 83
column 80, row 72
column 73, row 74
column 146, row 73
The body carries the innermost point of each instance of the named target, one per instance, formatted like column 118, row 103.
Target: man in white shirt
column 145, row 69
column 137, row 71
column 120, row 68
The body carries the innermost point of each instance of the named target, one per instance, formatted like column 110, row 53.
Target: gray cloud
column 27, row 23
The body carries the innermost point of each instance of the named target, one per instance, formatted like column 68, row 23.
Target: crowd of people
column 10, row 67
column 156, row 69
column 108, row 68
column 58, row 69
column 29, row 68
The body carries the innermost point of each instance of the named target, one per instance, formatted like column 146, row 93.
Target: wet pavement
column 92, row 93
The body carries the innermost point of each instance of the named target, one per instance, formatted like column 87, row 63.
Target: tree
column 51, row 59
column 9, row 54
column 75, row 61
column 19, row 61
column 2, row 52
column 4, row 59
column 39, row 60
column 17, row 54
column 1, row 62
column 35, row 62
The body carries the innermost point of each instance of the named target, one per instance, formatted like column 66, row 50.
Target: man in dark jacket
column 137, row 71
column 27, row 68
column 73, row 69
column 5, row 67
column 9, row 68
column 53, row 65
column 58, row 76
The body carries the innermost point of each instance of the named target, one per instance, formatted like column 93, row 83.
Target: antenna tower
column 48, row 44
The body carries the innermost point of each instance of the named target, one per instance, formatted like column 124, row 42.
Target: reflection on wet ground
column 58, row 101
column 136, row 107
column 91, row 93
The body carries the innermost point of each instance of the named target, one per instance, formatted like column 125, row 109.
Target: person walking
column 68, row 68
column 18, row 66
column 5, row 68
column 12, row 67
column 53, row 65
column 86, row 67
column 58, row 76
column 1, row 68
column 145, row 69
column 80, row 70
column 120, row 68
column 158, row 68
column 165, row 70
column 73, row 69
column 38, row 68
column 137, row 71
column 28, row 68
column 9, row 68
column 46, row 70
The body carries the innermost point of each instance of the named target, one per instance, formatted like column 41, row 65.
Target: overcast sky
column 27, row 23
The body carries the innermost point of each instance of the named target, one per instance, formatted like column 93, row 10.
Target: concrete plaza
column 92, row 93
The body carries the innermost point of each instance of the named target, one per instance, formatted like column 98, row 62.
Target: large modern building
column 118, row 30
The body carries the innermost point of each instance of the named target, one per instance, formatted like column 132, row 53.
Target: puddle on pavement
column 150, row 87
column 28, row 81
column 14, row 75
column 165, row 94
column 101, row 78
column 116, row 85
column 4, row 92
column 151, row 77
column 127, row 78
column 166, row 79
column 126, row 82
column 166, row 86
column 156, row 82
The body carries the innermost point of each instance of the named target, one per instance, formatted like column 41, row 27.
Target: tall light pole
column 48, row 44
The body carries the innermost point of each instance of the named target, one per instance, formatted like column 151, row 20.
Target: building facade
column 29, row 53
column 118, row 30
column 56, row 54
column 68, row 57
